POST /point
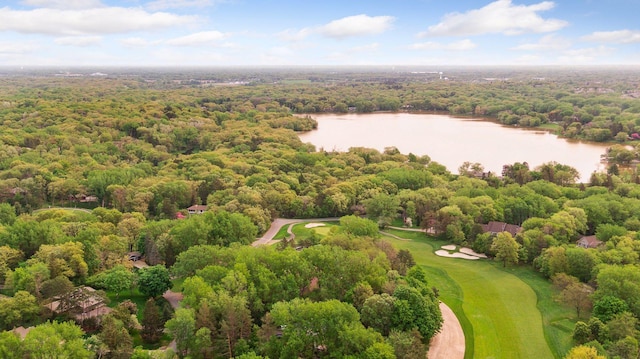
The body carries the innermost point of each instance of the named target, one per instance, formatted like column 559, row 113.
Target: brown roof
column 22, row 331
column 87, row 302
column 197, row 207
column 589, row 242
column 497, row 227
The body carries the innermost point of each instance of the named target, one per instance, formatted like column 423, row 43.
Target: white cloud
column 199, row 38
column 81, row 41
column 295, row 35
column 16, row 48
column 105, row 20
column 462, row 45
column 277, row 55
column 617, row 37
column 365, row 48
column 357, row 25
column 529, row 60
column 134, row 42
column 586, row 55
column 500, row 16
column 548, row 42
column 175, row 4
column 64, row 4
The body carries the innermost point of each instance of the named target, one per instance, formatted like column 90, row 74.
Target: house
column 81, row 303
column 494, row 228
column 135, row 256
column 22, row 331
column 589, row 242
column 83, row 198
column 197, row 209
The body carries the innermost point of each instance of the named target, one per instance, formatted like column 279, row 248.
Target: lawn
column 133, row 295
column 140, row 300
column 554, row 127
column 302, row 232
column 282, row 233
column 505, row 313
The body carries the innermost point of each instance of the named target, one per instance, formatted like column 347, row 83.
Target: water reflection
column 452, row 140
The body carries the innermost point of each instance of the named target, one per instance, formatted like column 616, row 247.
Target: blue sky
column 327, row 32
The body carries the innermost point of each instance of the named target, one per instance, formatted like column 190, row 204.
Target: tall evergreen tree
column 152, row 323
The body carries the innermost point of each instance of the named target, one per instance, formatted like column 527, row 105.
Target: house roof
column 197, row 207
column 589, row 241
column 22, row 331
column 86, row 301
column 497, row 227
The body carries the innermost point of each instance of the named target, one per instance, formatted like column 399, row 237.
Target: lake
column 453, row 140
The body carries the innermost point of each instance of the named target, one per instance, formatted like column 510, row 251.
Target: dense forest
column 135, row 150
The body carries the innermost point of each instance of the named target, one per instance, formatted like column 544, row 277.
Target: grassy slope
column 500, row 310
column 558, row 320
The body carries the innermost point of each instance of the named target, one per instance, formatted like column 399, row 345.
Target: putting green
column 496, row 309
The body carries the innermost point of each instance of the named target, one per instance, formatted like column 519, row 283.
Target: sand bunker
column 471, row 252
column 465, row 253
column 445, row 253
column 313, row 225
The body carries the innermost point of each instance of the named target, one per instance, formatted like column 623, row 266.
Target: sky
column 318, row 32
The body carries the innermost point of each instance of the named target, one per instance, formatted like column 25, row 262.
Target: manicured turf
column 301, row 232
column 282, row 233
column 500, row 310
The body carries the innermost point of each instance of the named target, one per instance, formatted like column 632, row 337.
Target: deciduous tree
column 584, row 352
column 573, row 292
column 154, row 281
column 182, row 328
column 56, row 340
column 505, row 248
column 9, row 259
column 622, row 282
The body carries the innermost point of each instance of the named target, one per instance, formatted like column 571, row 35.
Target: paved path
column 140, row 264
column 174, row 299
column 393, row 236
column 407, row 229
column 449, row 343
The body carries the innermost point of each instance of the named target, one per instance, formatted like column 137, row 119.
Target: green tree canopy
column 154, row 281
column 505, row 248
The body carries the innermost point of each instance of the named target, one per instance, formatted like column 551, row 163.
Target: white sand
column 313, row 225
column 471, row 252
column 444, row 253
column 449, row 247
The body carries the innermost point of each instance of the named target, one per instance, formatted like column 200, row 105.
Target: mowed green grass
column 498, row 311
column 301, row 231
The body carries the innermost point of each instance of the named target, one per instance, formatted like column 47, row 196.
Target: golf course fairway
column 496, row 309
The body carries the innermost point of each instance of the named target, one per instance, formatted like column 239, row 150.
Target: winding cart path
column 449, row 343
column 278, row 223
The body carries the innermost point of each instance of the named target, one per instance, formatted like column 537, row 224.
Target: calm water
column 452, row 140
